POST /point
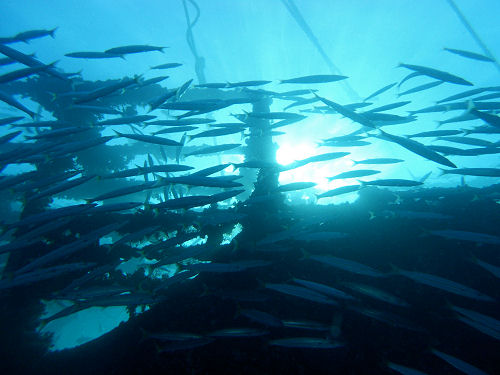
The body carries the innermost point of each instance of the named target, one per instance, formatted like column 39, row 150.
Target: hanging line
column 199, row 62
column 473, row 33
column 294, row 11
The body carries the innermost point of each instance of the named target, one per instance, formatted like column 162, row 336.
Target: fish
column 125, row 120
column 494, row 95
column 306, row 343
column 26, row 36
column 437, row 74
column 318, row 236
column 404, row 370
column 444, row 284
column 57, row 133
column 94, row 108
column 319, row 78
column 434, row 133
column 93, row 55
column 136, row 48
column 213, row 85
column 306, row 324
column 175, row 129
column 106, row 90
column 195, row 105
column 460, row 118
column 343, row 110
column 396, row 182
column 247, row 83
column 210, row 170
column 238, row 266
column 380, row 91
column 465, row 152
column 301, row 102
column 212, row 149
column 418, row 149
column 149, row 139
column 50, row 215
column 463, row 94
column 29, row 60
column 460, row 365
column 160, row 100
column 68, row 249
column 345, row 143
column 470, row 55
column 9, row 136
column 148, row 82
column 485, row 320
column 167, row 66
column 23, row 73
column 276, row 115
column 376, row 293
column 388, row 107
column 490, row 119
column 214, row 133
column 324, row 289
column 181, row 122
column 238, row 332
column 124, row 191
column 300, row 292
column 162, row 168
column 378, row 161
column 10, row 120
column 467, row 236
column 259, row 164
column 480, row 172
column 466, row 140
column 339, row 191
column 423, row 87
column 315, row 159
column 494, row 270
column 293, row 186
column 42, row 274
column 14, row 103
column 58, row 188
column 347, row 265
column 408, row 77
column 262, row 317
column 182, row 89
column 201, row 181
column 353, row 174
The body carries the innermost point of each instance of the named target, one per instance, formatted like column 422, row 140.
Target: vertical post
column 260, row 146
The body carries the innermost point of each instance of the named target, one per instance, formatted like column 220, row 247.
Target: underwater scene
column 250, row 187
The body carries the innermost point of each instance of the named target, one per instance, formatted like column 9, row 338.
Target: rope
column 471, row 31
column 292, row 8
column 199, row 62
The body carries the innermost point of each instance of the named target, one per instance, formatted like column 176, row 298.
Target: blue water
column 260, row 40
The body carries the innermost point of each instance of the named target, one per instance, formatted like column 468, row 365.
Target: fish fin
column 372, row 215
